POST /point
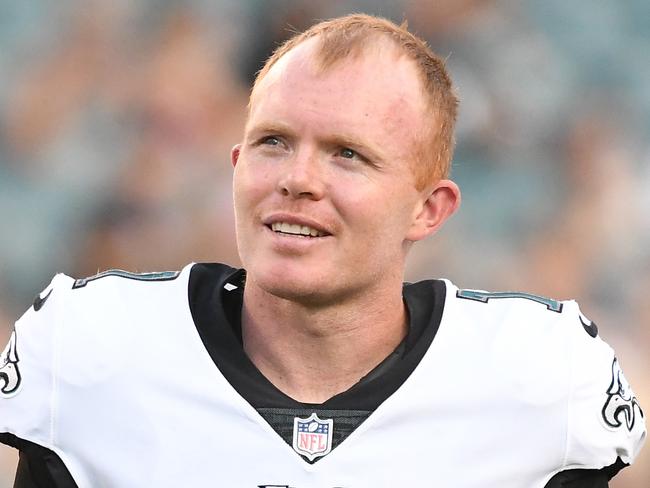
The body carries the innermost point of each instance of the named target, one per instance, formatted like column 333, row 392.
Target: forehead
column 377, row 90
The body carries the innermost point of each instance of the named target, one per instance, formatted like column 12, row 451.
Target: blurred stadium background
column 116, row 121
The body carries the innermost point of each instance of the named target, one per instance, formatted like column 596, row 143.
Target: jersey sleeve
column 606, row 425
column 28, row 368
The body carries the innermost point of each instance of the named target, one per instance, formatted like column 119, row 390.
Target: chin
column 297, row 285
column 290, row 287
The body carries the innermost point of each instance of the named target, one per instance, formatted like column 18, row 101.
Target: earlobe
column 234, row 154
column 442, row 201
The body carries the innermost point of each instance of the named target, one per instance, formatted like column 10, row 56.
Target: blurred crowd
column 117, row 118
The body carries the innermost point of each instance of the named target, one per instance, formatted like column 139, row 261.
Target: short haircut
column 347, row 36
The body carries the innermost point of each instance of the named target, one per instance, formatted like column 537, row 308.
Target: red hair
column 349, row 36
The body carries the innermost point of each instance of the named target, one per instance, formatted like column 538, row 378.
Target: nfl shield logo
column 312, row 437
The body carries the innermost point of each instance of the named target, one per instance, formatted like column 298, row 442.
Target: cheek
column 382, row 217
column 249, row 187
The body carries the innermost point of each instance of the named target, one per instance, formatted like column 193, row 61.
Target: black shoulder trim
column 39, row 466
column 586, row 478
column 425, row 302
column 216, row 310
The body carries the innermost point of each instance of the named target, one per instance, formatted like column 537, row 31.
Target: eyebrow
column 270, row 128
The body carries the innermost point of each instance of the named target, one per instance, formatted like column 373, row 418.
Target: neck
column 312, row 353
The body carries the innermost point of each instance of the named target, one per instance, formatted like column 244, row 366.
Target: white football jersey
column 140, row 381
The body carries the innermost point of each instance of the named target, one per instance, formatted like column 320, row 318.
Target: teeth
column 295, row 229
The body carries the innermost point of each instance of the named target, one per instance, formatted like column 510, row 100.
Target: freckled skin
column 368, row 207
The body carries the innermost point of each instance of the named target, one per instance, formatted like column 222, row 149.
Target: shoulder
column 511, row 325
column 128, row 286
column 553, row 337
column 77, row 333
column 549, row 350
column 522, row 312
column 94, row 297
column 71, row 315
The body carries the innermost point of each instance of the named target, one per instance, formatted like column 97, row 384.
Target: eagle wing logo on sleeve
column 9, row 372
column 621, row 403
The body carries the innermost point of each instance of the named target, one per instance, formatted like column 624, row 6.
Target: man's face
column 324, row 194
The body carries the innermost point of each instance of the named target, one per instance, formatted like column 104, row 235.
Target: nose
column 302, row 177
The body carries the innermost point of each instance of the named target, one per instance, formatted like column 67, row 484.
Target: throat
column 312, row 357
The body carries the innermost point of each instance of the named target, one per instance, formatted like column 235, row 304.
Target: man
column 317, row 367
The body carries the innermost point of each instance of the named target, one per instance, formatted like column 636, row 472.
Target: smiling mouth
column 296, row 230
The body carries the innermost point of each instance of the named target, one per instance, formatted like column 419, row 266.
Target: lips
column 295, row 226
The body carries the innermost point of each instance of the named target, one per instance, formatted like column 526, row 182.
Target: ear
column 437, row 205
column 234, row 154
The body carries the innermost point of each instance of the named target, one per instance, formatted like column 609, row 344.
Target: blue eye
column 348, row 153
column 271, row 141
